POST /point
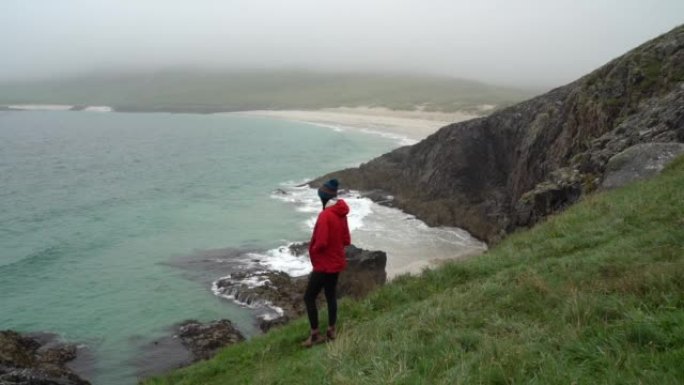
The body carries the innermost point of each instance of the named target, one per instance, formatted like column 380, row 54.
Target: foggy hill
column 214, row 91
column 494, row 174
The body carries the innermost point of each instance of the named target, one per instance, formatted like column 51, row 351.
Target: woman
column 326, row 249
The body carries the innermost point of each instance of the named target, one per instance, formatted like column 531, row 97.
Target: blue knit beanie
column 328, row 190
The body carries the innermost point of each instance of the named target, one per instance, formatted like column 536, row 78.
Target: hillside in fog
column 211, row 91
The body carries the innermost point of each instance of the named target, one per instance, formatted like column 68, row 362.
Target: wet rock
column 284, row 294
column 264, row 289
column 204, row 340
column 639, row 162
column 299, row 249
column 26, row 360
column 57, row 355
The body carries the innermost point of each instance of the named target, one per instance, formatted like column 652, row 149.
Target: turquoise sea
column 96, row 207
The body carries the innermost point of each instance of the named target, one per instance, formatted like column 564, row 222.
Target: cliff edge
column 494, row 174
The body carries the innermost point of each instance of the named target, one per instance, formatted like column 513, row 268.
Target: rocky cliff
column 494, row 174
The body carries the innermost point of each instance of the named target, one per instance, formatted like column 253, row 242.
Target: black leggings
column 318, row 281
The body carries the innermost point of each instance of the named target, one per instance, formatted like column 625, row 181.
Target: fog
column 512, row 42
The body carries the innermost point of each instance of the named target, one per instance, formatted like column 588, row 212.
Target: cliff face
column 494, row 174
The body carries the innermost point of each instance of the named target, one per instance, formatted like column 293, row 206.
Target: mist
column 518, row 43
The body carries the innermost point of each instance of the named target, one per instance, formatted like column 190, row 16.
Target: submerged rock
column 28, row 360
column 162, row 355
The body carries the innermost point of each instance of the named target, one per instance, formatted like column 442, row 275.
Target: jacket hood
column 340, row 208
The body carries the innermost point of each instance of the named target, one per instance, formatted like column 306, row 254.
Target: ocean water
column 102, row 216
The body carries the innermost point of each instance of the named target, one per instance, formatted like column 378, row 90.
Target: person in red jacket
column 326, row 249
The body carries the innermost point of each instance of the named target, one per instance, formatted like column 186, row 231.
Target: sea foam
column 282, row 259
column 98, row 109
column 230, row 288
column 410, row 244
column 40, row 107
column 402, row 140
column 305, row 200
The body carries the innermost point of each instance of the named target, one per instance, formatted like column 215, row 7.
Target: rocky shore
column 42, row 359
column 36, row 360
column 365, row 272
column 191, row 341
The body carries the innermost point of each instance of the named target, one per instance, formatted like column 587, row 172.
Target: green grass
column 594, row 295
column 210, row 91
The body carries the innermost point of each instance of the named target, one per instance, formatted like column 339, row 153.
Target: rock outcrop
column 26, row 360
column 204, row 340
column 494, row 174
column 638, row 162
column 187, row 342
column 365, row 271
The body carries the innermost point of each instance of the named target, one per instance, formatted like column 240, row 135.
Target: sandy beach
column 414, row 125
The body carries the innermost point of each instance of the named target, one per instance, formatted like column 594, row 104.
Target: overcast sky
column 514, row 42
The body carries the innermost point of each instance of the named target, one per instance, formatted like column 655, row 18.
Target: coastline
column 406, row 126
column 411, row 124
column 405, row 123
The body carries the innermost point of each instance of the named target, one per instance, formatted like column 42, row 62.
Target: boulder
column 364, row 273
column 639, row 162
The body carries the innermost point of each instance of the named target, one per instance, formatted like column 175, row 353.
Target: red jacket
column 330, row 236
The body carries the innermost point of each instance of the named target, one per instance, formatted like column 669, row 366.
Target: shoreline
column 400, row 123
column 413, row 125
column 406, row 126
column 411, row 245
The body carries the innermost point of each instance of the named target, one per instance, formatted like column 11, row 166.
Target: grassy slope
column 210, row 91
column 592, row 296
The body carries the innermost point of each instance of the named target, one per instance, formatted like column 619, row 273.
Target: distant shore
column 412, row 124
column 54, row 107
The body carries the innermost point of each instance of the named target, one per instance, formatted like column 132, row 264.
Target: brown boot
column 330, row 333
column 314, row 339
